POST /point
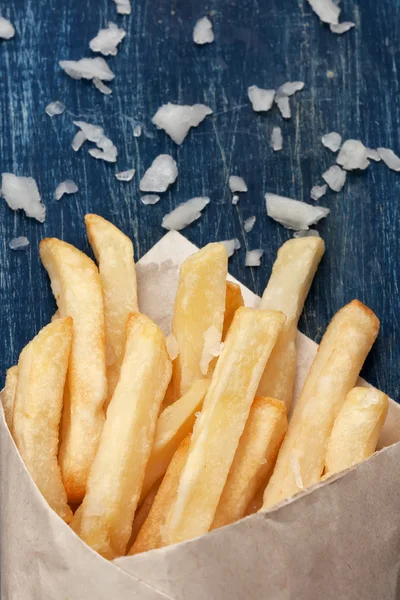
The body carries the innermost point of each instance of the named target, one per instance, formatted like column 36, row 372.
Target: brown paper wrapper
column 338, row 540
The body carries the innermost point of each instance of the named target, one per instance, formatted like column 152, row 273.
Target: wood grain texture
column 262, row 43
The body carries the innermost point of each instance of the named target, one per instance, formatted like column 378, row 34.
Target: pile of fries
column 138, row 441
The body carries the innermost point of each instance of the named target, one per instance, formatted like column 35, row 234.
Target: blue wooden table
column 351, row 86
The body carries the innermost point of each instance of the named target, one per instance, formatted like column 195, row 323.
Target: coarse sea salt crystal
column 160, row 175
column 283, row 104
column 203, row 32
column 290, row 88
column 237, row 184
column 22, row 193
column 150, row 199
column 177, row 120
column 123, row 7
column 172, row 346
column 276, row 139
column 19, row 243
column 340, row 28
column 231, row 246
column 373, row 155
column 353, row 155
column 317, row 191
column 108, row 155
column 261, row 100
column 235, row 199
column 212, row 347
column 102, row 87
column 94, row 133
column 55, row 108
column 65, row 187
column 253, row 257
column 389, row 158
column 125, row 175
column 335, row 177
column 87, row 68
column 307, row 233
column 7, row 30
column 293, row 214
column 137, row 131
column 295, row 466
column 185, row 213
column 249, row 224
column 107, row 40
column 327, row 10
column 79, row 139
column 332, row 141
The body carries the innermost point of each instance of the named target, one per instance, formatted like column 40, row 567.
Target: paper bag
column 340, row 541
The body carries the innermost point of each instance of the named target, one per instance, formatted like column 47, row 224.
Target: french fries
column 287, row 290
column 76, row 286
column 254, row 459
column 150, row 535
column 334, row 372
column 356, row 430
column 199, row 306
column 217, row 431
column 143, row 512
column 233, row 301
column 42, row 369
column 7, row 395
column 116, row 477
column 173, row 425
column 114, row 254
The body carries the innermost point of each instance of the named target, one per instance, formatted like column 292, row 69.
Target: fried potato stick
column 254, row 459
column 173, row 425
column 356, row 430
column 116, row 477
column 114, row 254
column 143, row 512
column 76, row 286
column 335, row 369
column 150, row 535
column 217, row 431
column 42, row 369
column 287, row 290
column 199, row 305
column 7, row 395
column 233, row 301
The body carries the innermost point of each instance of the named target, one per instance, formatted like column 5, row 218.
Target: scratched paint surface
column 257, row 42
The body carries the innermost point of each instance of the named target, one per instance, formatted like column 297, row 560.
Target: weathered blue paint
column 257, row 42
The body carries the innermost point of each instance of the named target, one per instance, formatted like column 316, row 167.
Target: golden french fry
column 143, row 512
column 233, row 301
column 150, row 535
column 42, row 369
column 356, row 430
column 256, row 502
column 114, row 253
column 173, row 425
column 199, row 306
column 254, row 459
column 116, row 477
column 7, row 395
column 334, row 372
column 76, row 286
column 287, row 290
column 217, row 431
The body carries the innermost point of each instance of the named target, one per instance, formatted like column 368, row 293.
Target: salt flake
column 79, row 139
column 212, row 347
column 123, row 7
column 102, row 87
column 19, row 243
column 332, row 141
column 87, row 68
column 22, row 193
column 249, row 224
column 107, row 40
column 150, row 199
column 318, row 191
column 160, row 175
column 335, row 177
column 125, row 175
column 65, row 187
column 253, row 257
column 185, row 213
column 176, row 119
column 7, row 30
column 55, row 108
column 261, row 100
column 389, row 158
column 237, row 184
column 327, row 10
column 353, row 155
column 203, row 32
column 340, row 28
column 276, row 139
column 307, row 233
column 293, row 214
column 231, row 246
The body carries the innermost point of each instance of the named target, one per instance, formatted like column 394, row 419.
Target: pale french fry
column 334, row 372
column 150, row 535
column 256, row 502
column 233, row 301
column 42, row 369
column 254, row 459
column 116, row 477
column 7, row 395
column 114, row 253
column 356, row 430
column 217, row 431
column 143, row 511
column 287, row 290
column 76, row 286
column 173, row 425
column 199, row 305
